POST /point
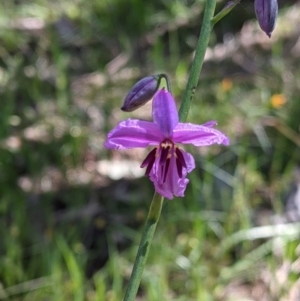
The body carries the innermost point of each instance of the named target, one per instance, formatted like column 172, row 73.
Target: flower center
column 165, row 155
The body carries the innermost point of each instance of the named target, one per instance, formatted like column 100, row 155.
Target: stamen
column 164, row 153
column 149, row 158
column 166, row 169
column 180, row 157
column 180, row 162
column 179, row 168
column 162, row 170
column 149, row 161
column 149, row 167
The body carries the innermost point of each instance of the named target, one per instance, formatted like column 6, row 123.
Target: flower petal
column 133, row 133
column 210, row 123
column 164, row 112
column 172, row 185
column 198, row 135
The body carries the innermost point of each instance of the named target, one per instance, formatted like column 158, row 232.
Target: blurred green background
column 71, row 212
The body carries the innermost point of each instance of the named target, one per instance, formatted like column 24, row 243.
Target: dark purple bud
column 141, row 92
column 266, row 13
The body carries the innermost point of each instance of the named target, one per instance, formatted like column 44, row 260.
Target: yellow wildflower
column 226, row 84
column 277, row 100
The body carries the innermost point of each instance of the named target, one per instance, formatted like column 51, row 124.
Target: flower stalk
column 142, row 254
column 198, row 59
column 157, row 201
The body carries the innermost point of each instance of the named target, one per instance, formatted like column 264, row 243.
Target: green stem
column 226, row 10
column 198, row 59
column 166, row 77
column 142, row 254
column 157, row 201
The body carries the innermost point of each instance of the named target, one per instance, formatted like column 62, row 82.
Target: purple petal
column 198, row 135
column 164, row 112
column 133, row 133
column 210, row 123
column 173, row 185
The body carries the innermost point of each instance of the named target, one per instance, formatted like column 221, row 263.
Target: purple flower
column 167, row 165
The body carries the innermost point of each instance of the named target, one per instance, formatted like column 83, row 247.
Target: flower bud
column 266, row 12
column 141, row 92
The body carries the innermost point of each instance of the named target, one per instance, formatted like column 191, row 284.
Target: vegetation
column 71, row 211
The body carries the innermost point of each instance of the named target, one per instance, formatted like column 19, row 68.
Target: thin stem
column 142, row 254
column 157, row 201
column 226, row 10
column 198, row 59
column 166, row 77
